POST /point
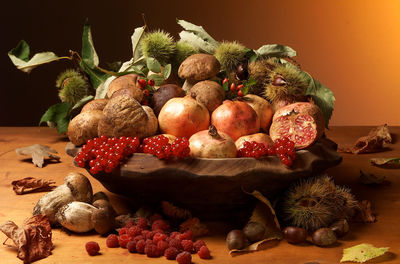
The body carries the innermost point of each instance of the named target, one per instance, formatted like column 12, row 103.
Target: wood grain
column 69, row 248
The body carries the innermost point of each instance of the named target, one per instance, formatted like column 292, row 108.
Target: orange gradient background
column 353, row 47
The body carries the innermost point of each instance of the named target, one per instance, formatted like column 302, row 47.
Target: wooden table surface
column 70, row 248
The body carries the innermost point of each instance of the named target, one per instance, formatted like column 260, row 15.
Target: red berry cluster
column 147, row 87
column 283, row 148
column 233, row 88
column 105, row 154
column 154, row 239
column 159, row 146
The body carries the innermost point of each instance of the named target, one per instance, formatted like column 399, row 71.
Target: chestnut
column 295, row 235
column 324, row 237
column 254, row 231
column 236, row 239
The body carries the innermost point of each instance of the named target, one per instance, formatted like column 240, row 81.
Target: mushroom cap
column 84, row 126
column 209, row 93
column 104, row 217
column 97, row 104
column 124, row 116
column 128, row 81
column 80, row 187
column 199, row 67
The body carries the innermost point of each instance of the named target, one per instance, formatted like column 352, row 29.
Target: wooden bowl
column 214, row 188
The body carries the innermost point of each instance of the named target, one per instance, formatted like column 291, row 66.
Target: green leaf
column 251, row 55
column 198, row 31
column 136, row 37
column 167, row 71
column 102, row 89
column 225, row 85
column 20, row 57
column 276, row 50
column 96, row 76
column 89, row 54
column 322, row 97
column 198, row 42
column 21, row 51
column 59, row 114
column 362, row 253
column 157, row 79
column 153, row 65
column 82, row 102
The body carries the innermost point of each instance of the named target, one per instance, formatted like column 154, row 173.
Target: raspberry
column 162, row 246
column 112, row 241
column 171, row 253
column 149, row 242
column 150, row 234
column 188, row 235
column 160, row 224
column 187, row 245
column 152, row 251
column 92, row 248
column 155, row 217
column 184, row 258
column 137, row 238
column 204, row 253
column 174, row 234
column 142, row 223
column 145, row 232
column 159, row 237
column 129, row 224
column 140, row 246
column 131, row 246
column 175, row 243
column 198, row 244
column 134, row 231
column 122, row 231
column 123, row 240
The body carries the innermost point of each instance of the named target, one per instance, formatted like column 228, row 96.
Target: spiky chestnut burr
column 183, row 50
column 72, row 85
column 230, row 54
column 159, row 45
column 285, row 83
column 314, row 203
column 260, row 70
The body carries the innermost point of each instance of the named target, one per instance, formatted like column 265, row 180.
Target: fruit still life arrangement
column 196, row 127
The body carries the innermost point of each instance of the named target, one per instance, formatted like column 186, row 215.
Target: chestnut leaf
column 89, row 55
column 20, row 57
column 59, row 114
column 276, row 50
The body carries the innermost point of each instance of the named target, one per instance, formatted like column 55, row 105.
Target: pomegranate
column 212, row 144
column 302, row 122
column 258, row 137
column 183, row 116
column 236, row 119
column 263, row 109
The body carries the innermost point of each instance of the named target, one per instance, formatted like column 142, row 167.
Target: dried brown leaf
column 199, row 229
column 386, row 162
column 265, row 215
column 175, row 212
column 33, row 239
column 364, row 213
column 38, row 153
column 30, row 184
column 371, row 143
column 369, row 178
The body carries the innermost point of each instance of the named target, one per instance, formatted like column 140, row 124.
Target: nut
column 340, row 227
column 199, row 67
column 324, row 237
column 295, row 235
column 254, row 231
column 236, row 239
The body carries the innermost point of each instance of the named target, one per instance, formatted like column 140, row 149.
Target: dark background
column 350, row 46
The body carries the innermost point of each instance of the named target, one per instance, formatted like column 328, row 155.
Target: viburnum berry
column 240, row 93
column 233, row 87
column 146, row 92
column 239, row 87
column 92, row 248
column 225, row 81
column 142, row 83
column 151, row 82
